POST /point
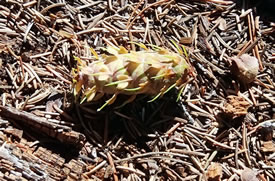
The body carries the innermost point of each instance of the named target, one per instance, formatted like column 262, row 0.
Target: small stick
column 142, row 11
column 219, row 144
column 245, row 147
column 131, row 170
column 171, row 130
column 146, row 30
column 134, row 11
column 236, row 154
column 99, row 166
column 28, row 4
column 110, row 159
column 52, row 6
column 50, row 69
column 251, row 44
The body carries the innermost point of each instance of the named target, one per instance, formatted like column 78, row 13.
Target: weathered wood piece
column 62, row 133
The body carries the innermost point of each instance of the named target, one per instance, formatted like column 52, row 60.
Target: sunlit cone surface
column 151, row 72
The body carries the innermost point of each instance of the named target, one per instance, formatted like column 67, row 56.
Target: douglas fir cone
column 152, row 72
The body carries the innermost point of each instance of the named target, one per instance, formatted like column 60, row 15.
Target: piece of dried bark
column 64, row 134
column 186, row 40
column 267, row 146
column 266, row 131
column 245, row 68
column 222, row 24
column 249, row 175
column 214, row 172
column 235, row 106
column 17, row 133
